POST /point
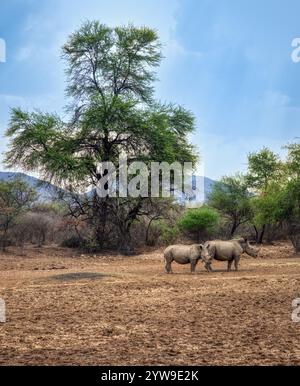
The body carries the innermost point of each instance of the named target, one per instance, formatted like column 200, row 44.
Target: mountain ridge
column 45, row 190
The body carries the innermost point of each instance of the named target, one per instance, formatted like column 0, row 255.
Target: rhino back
column 225, row 250
column 180, row 253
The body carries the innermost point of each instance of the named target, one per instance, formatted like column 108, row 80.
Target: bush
column 37, row 227
column 73, row 242
column 162, row 233
column 200, row 222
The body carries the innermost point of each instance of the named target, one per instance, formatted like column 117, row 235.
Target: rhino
column 229, row 251
column 186, row 254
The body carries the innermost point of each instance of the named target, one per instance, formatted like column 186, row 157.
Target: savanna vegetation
column 112, row 111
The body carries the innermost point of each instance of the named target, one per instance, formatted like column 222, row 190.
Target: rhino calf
column 186, row 254
column 229, row 251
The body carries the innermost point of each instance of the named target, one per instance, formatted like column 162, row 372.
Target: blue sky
column 228, row 61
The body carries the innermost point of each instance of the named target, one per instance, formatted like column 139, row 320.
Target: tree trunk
column 261, row 236
column 4, row 240
column 295, row 239
column 126, row 247
column 148, row 231
column 100, row 211
column 233, row 229
column 256, row 233
column 293, row 229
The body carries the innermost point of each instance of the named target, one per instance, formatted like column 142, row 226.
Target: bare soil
column 64, row 308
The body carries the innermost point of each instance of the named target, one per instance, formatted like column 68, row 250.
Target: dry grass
column 65, row 308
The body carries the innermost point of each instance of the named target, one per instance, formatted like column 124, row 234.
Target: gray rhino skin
column 186, row 254
column 230, row 251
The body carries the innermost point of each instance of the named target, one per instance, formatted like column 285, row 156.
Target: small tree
column 201, row 221
column 278, row 201
column 264, row 168
column 267, row 209
column 231, row 198
column 290, row 202
column 16, row 196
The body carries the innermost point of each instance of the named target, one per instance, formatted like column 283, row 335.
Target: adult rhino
column 186, row 254
column 230, row 251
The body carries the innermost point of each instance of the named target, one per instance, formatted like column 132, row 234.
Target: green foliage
column 281, row 200
column 111, row 74
column 167, row 233
column 203, row 221
column 290, row 202
column 231, row 198
column 268, row 208
column 16, row 196
column 278, row 198
column 112, row 60
column 293, row 161
column 263, row 168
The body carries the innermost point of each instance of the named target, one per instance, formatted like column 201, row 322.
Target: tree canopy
column 202, row 222
column 112, row 111
column 232, row 198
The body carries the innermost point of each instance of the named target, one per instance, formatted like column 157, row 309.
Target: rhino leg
column 229, row 265
column 168, row 260
column 169, row 267
column 208, row 267
column 236, row 262
column 193, row 265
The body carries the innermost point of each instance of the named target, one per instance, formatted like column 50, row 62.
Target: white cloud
column 226, row 156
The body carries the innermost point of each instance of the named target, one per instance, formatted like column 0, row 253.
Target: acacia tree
column 112, row 111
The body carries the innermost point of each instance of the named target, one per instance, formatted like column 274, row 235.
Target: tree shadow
column 79, row 276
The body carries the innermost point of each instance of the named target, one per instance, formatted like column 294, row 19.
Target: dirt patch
column 133, row 313
column 79, row 276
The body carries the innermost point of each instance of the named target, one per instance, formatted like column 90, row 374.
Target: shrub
column 73, row 242
column 163, row 233
column 200, row 222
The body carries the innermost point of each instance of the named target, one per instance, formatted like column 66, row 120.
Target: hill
column 46, row 190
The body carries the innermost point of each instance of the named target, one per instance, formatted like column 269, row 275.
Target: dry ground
column 66, row 308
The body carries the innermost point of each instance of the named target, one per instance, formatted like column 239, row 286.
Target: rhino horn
column 252, row 251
